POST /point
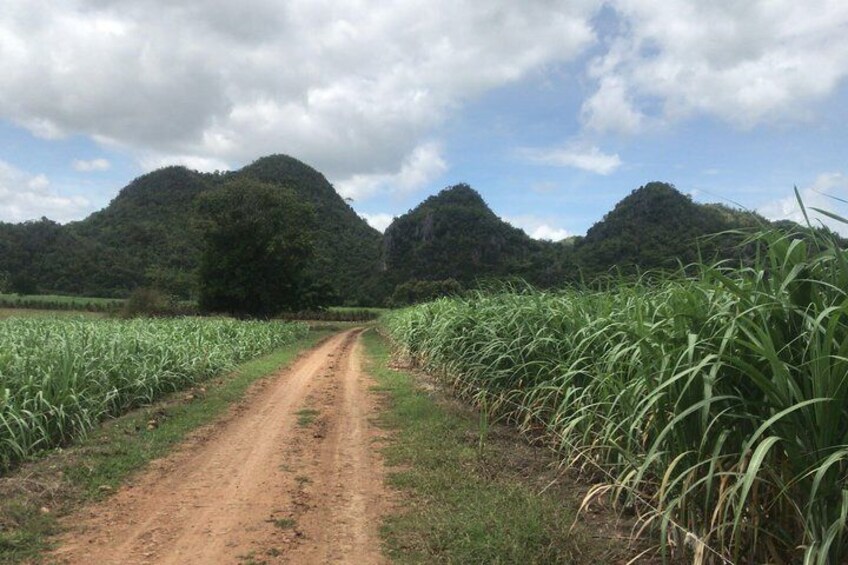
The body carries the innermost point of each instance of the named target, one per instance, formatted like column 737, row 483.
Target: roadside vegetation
column 61, row 377
column 714, row 407
column 471, row 492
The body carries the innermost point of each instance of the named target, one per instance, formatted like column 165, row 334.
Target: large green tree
column 257, row 250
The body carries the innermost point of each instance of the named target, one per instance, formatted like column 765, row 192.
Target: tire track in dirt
column 265, row 484
column 341, row 474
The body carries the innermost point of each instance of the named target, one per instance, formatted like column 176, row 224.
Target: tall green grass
column 59, row 377
column 715, row 406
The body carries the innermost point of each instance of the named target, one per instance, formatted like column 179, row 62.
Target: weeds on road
column 306, row 417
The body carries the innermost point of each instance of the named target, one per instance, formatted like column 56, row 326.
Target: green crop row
column 715, row 407
column 332, row 315
column 60, row 377
column 56, row 302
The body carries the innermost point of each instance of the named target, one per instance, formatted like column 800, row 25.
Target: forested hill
column 148, row 236
column 455, row 235
column 149, row 228
column 657, row 227
column 347, row 248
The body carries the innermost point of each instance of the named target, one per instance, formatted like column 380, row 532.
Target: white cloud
column 424, row 165
column 818, row 195
column 92, row 165
column 610, row 108
column 24, row 196
column 378, row 221
column 545, row 231
column 590, row 159
column 150, row 162
column 748, row 63
column 350, row 87
column 538, row 228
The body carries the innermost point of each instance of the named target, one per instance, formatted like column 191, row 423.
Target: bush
column 154, row 303
column 416, row 291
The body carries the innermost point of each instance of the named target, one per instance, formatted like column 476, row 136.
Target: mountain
column 347, row 248
column 455, row 235
column 657, row 227
column 147, row 236
column 144, row 237
column 149, row 227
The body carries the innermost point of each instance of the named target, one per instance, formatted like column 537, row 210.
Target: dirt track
column 290, row 476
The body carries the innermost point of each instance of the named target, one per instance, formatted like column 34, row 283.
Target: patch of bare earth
column 294, row 477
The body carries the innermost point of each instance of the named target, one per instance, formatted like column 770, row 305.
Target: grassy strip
column 61, row 298
column 34, row 497
column 471, row 491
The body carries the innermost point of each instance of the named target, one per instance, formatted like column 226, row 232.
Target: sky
column 552, row 110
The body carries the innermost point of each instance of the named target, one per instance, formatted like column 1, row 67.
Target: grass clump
column 714, row 406
column 284, row 523
column 306, row 417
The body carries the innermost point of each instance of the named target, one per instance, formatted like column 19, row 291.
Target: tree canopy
column 257, row 248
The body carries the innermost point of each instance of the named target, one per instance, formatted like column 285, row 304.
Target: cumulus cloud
column 420, row 167
column 92, row 165
column 745, row 62
column 378, row 221
column 611, row 108
column 360, row 89
column 538, row 228
column 590, row 159
column 24, row 196
column 351, row 88
column 544, row 231
column 828, row 192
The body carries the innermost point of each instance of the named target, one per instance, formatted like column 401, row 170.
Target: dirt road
column 290, row 476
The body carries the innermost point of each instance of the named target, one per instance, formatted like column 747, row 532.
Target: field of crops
column 56, row 302
column 60, row 377
column 714, row 407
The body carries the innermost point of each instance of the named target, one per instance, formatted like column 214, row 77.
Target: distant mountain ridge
column 147, row 237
